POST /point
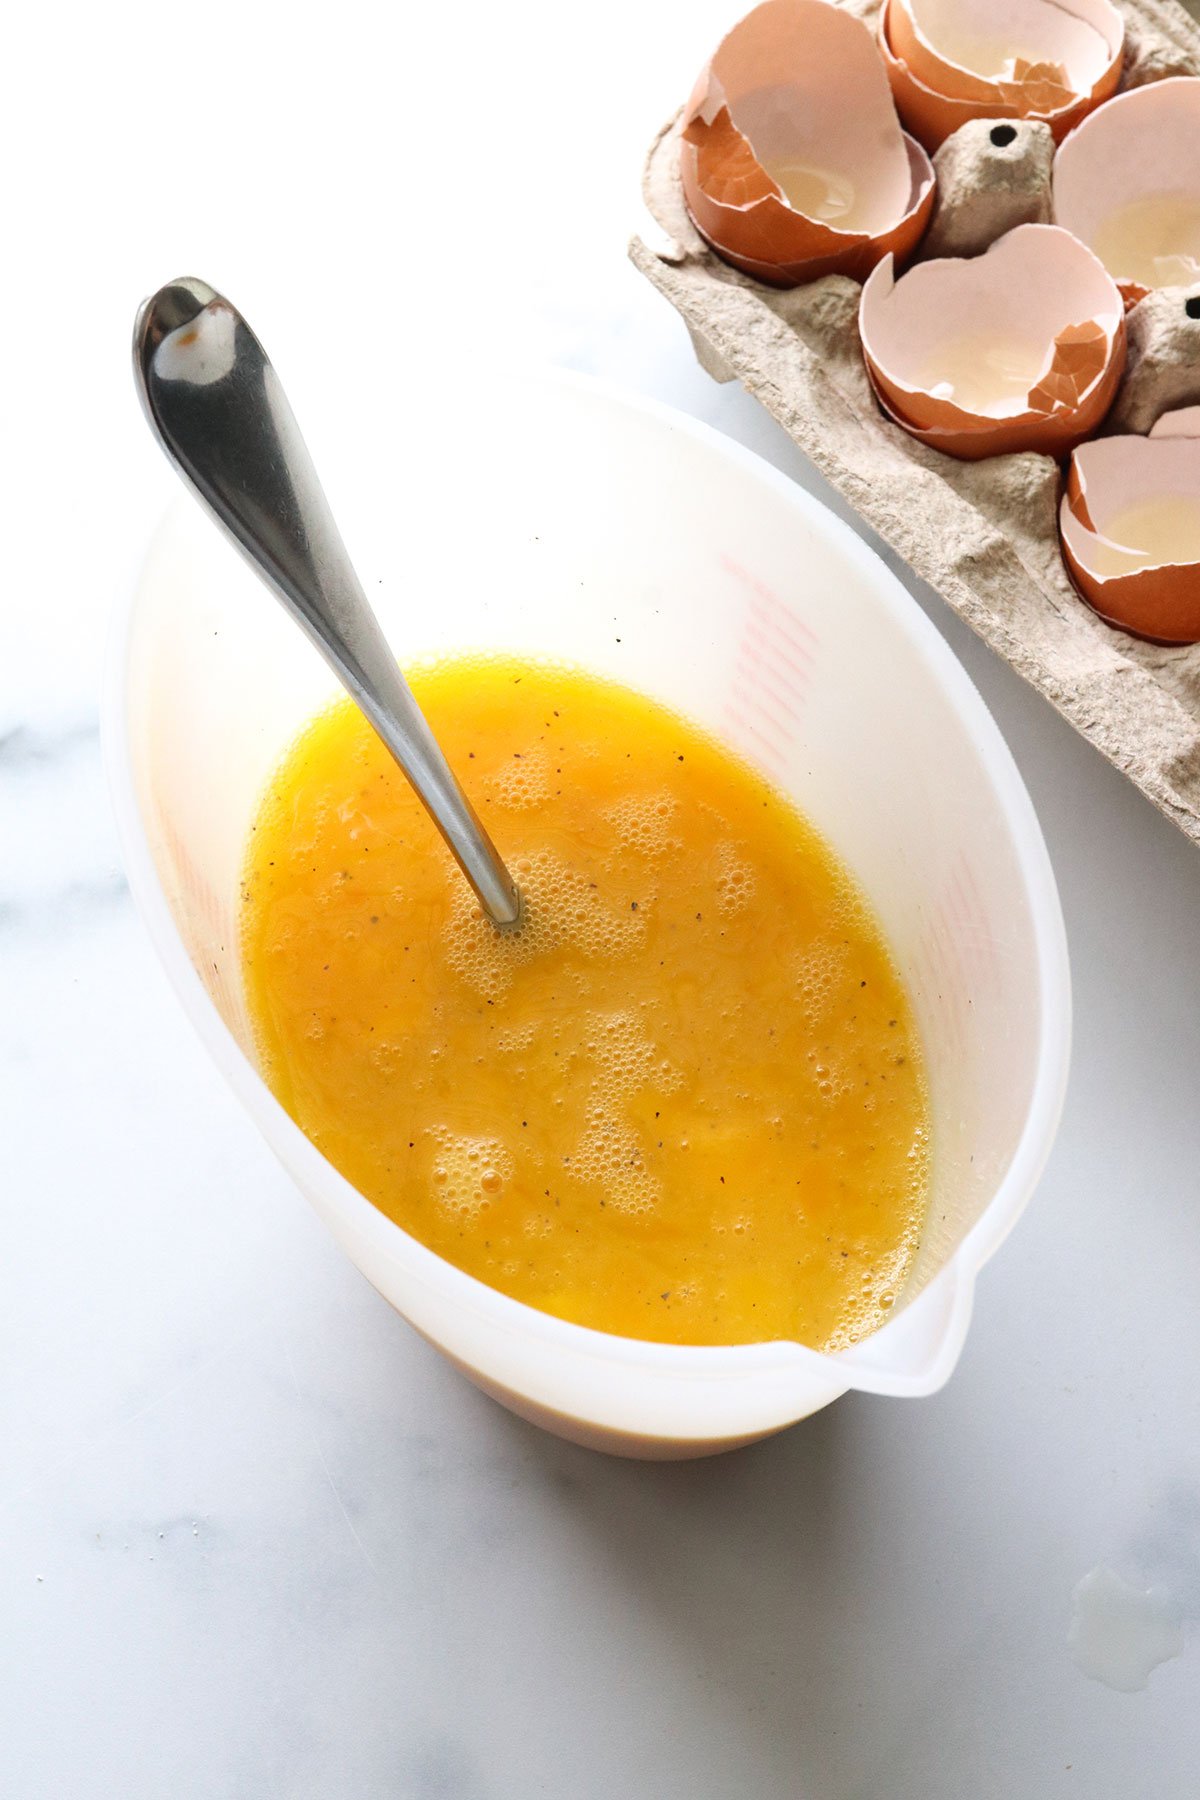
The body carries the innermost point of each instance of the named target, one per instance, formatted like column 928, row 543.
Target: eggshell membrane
column 1034, row 283
column 1183, row 422
column 799, row 78
column 934, row 95
column 1144, row 142
column 1159, row 601
column 1077, row 40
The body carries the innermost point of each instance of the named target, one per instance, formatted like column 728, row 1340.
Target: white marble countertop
column 256, row 1539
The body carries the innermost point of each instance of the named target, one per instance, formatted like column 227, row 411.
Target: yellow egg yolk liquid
column 684, row 1101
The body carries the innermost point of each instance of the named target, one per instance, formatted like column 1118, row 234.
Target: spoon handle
column 216, row 404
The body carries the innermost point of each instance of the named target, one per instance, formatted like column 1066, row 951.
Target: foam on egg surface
column 683, row 1100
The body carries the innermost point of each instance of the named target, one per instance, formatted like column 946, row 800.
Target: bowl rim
column 948, row 1296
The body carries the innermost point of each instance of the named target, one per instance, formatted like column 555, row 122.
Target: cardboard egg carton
column 984, row 534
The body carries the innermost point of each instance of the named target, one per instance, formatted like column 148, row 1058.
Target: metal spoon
column 217, row 407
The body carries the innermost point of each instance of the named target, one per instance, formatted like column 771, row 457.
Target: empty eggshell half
column 953, row 60
column 1127, row 183
column 1130, row 529
column 792, row 159
column 1018, row 349
column 1013, row 350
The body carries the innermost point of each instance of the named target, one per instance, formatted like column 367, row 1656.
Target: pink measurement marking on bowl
column 747, row 736
column 778, row 608
column 772, row 668
column 764, row 648
column 957, row 955
column 970, row 922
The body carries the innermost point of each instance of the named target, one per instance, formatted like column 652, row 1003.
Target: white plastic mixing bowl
column 579, row 524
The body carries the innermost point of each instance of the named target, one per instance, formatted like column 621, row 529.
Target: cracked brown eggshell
column 797, row 85
column 1036, row 295
column 1132, row 588
column 953, row 60
column 1142, row 145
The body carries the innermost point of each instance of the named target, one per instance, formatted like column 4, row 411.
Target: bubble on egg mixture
column 919, row 1162
column 560, row 906
column 468, row 1173
column 819, row 973
column 643, row 822
column 522, row 781
column 610, row 1153
column 834, row 1079
column 624, row 1057
column 735, row 880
